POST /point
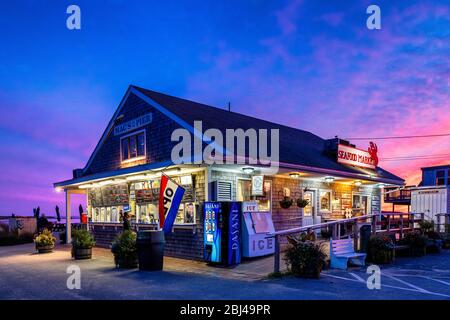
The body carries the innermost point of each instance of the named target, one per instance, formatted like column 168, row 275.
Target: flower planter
column 82, row 253
column 286, row 203
column 44, row 249
column 126, row 262
column 309, row 274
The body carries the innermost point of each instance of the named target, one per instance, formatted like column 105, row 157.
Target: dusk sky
column 313, row 65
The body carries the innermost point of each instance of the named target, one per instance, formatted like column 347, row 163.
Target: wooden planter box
column 44, row 249
column 82, row 253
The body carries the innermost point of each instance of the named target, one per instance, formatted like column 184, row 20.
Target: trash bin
column 365, row 232
column 150, row 249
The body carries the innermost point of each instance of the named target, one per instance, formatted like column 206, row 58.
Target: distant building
column 436, row 176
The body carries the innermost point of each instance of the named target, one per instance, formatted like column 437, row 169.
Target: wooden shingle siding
column 158, row 138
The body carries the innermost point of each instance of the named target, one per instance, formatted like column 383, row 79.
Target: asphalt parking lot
column 24, row 275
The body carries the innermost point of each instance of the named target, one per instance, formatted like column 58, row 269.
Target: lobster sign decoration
column 357, row 157
column 373, row 151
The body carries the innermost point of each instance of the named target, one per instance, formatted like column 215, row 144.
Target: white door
column 309, row 212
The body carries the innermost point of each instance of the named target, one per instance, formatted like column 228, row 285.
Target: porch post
column 68, row 218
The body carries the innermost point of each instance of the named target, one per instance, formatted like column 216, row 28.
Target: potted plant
column 381, row 249
column 305, row 259
column 82, row 243
column 417, row 243
column 286, row 202
column 301, row 203
column 45, row 241
column 125, row 250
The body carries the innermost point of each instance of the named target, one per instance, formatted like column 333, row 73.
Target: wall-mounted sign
column 356, row 157
column 132, row 124
column 185, row 180
column 257, row 185
column 250, row 206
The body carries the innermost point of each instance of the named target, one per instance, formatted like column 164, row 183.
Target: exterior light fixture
column 294, row 175
column 86, row 186
column 381, row 185
column 58, row 189
column 248, row 170
column 329, row 179
column 358, row 183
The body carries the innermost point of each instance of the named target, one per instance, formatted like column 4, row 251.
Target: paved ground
column 24, row 275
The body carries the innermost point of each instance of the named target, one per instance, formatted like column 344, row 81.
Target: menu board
column 145, row 192
column 109, row 195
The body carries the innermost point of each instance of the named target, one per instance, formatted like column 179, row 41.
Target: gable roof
column 297, row 146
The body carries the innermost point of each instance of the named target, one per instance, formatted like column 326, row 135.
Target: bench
column 342, row 251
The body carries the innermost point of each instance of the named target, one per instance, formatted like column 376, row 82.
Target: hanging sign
column 358, row 157
column 257, row 185
column 170, row 195
column 132, row 124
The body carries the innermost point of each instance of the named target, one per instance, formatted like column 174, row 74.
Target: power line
column 401, row 137
column 418, row 157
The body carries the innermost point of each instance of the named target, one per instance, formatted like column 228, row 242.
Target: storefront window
column 325, row 201
column 307, row 211
column 186, row 213
column 244, row 189
column 360, row 204
column 133, row 146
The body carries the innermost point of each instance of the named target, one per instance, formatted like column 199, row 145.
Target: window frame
column 138, row 157
column 445, row 178
column 330, row 196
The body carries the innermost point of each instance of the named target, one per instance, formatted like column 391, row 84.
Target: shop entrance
column 310, row 211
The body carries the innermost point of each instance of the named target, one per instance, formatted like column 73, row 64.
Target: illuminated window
column 325, row 201
column 133, row 146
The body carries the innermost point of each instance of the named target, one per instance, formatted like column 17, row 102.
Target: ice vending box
column 255, row 226
column 222, row 232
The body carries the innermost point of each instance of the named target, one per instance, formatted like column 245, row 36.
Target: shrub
column 426, row 226
column 305, row 259
column 45, row 238
column 125, row 250
column 82, row 239
column 325, row 233
column 381, row 249
column 417, row 243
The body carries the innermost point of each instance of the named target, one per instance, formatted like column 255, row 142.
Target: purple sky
column 308, row 64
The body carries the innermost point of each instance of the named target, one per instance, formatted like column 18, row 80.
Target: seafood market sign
column 358, row 157
column 133, row 124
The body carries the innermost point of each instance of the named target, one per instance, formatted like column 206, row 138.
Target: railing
column 389, row 222
column 398, row 195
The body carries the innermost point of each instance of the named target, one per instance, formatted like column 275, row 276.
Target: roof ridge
column 144, row 90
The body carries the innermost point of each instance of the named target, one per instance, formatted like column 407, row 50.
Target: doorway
column 310, row 211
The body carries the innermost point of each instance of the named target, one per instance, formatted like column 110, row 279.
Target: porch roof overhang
column 112, row 174
column 366, row 175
